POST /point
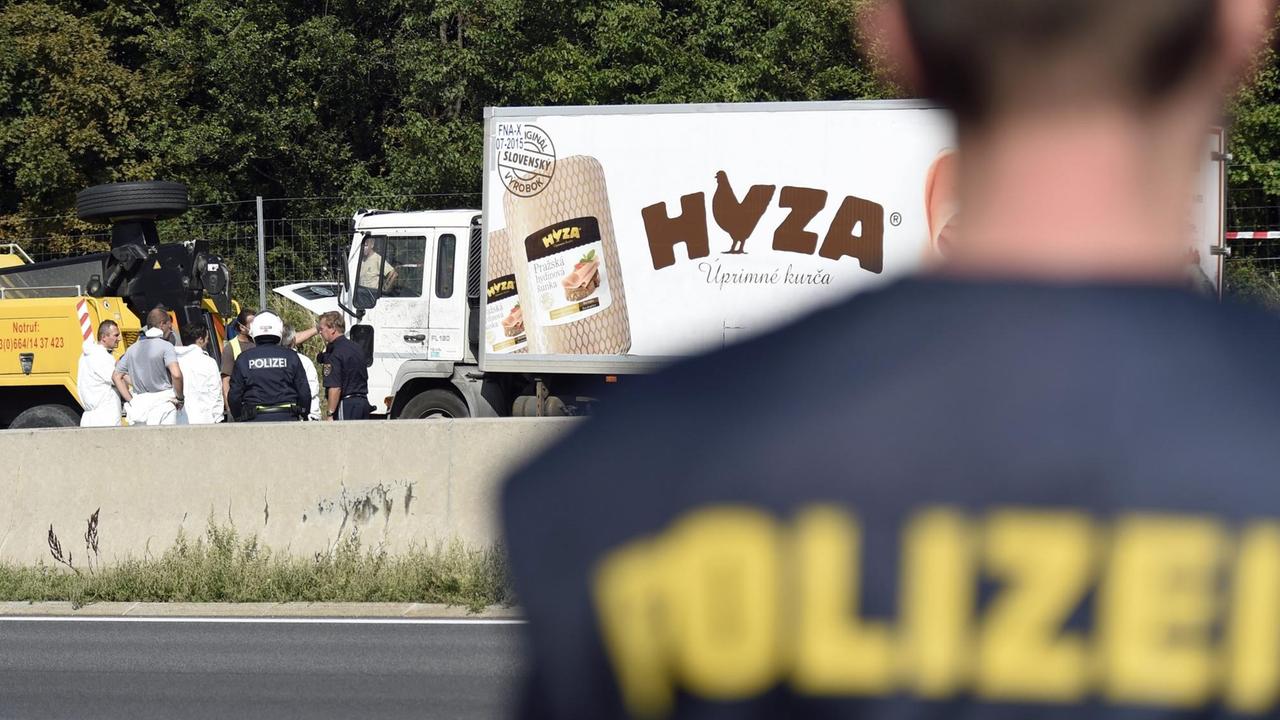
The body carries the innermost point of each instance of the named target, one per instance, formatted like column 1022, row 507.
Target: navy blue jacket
column 346, row 367
column 268, row 375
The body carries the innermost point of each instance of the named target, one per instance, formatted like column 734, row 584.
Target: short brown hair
column 332, row 319
column 105, row 327
column 157, row 316
column 980, row 56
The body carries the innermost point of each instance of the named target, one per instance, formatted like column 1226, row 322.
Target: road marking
column 259, row 620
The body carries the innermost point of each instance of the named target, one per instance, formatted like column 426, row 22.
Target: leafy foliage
column 364, row 99
column 1256, row 129
column 1250, row 281
column 271, row 98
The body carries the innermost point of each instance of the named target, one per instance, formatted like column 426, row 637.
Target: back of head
column 1086, row 118
column 157, row 317
column 287, row 334
column 267, row 328
column 986, row 57
column 193, row 332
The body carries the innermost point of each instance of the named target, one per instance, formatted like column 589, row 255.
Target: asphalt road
column 300, row 669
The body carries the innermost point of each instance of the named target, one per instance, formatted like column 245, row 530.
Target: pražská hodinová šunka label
column 568, row 271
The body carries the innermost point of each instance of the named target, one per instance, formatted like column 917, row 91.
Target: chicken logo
column 857, row 231
column 739, row 219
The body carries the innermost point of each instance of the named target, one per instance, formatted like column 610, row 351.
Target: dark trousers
column 355, row 407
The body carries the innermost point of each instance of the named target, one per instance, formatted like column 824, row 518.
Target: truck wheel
column 524, row 406
column 436, row 404
column 46, row 416
column 527, row 406
column 555, row 407
column 154, row 200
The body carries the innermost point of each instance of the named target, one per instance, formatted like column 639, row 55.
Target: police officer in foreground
column 346, row 371
column 1016, row 495
column 268, row 382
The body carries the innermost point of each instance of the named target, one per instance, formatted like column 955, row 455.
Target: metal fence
column 269, row 252
column 1254, row 211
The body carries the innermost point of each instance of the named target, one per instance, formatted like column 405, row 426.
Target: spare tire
column 153, row 200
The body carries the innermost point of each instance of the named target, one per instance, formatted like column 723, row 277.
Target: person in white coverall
column 97, row 392
column 151, row 367
column 200, row 378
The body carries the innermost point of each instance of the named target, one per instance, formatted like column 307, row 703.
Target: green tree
column 1255, row 130
column 540, row 52
column 69, row 116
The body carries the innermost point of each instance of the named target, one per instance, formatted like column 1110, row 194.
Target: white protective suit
column 155, row 408
column 93, row 383
column 313, row 382
column 201, row 387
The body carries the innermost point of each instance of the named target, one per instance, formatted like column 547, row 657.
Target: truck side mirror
column 343, row 290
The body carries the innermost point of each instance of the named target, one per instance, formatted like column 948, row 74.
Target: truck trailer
column 615, row 240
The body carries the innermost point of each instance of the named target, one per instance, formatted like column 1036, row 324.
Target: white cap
column 266, row 324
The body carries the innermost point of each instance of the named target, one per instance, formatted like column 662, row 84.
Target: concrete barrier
column 301, row 488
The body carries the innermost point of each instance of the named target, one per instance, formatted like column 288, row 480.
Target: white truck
column 613, row 240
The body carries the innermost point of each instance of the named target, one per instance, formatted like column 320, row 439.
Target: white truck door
column 392, row 270
column 448, row 294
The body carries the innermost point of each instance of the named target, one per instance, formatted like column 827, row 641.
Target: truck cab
column 409, row 298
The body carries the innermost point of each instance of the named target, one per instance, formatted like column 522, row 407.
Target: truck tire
column 524, row 406
column 527, row 406
column 555, row 407
column 437, row 403
column 155, row 200
column 46, row 416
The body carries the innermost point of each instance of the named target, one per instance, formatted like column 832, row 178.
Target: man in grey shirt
column 151, row 367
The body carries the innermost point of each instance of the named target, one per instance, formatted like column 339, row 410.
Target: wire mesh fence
column 294, row 250
column 303, row 247
column 1253, row 228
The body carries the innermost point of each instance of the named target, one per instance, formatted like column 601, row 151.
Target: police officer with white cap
column 268, row 382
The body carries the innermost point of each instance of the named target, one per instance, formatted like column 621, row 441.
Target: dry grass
column 223, row 567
